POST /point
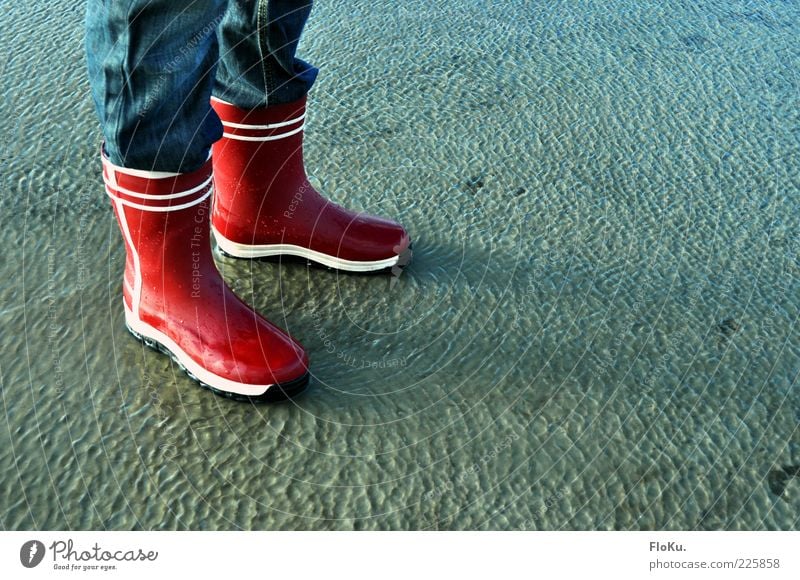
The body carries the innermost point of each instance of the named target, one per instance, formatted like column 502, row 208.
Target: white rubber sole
column 160, row 341
column 251, row 251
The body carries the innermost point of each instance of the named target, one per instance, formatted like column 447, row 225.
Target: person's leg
column 258, row 40
column 263, row 202
column 151, row 68
column 151, row 64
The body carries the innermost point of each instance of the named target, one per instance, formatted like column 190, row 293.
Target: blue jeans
column 153, row 65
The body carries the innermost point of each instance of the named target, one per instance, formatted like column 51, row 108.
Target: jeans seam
column 117, row 156
column 261, row 32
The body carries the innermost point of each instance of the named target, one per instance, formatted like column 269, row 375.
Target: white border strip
column 138, row 172
column 141, row 172
column 137, row 271
column 350, row 555
column 159, row 209
column 262, row 127
column 260, row 251
column 267, row 138
column 156, row 197
column 213, row 98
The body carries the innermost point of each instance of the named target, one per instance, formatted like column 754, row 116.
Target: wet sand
column 599, row 329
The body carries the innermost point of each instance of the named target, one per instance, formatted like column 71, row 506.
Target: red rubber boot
column 265, row 206
column 175, row 299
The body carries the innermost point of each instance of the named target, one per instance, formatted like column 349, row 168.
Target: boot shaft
column 164, row 220
column 261, row 151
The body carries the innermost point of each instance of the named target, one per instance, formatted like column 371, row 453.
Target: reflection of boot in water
column 175, row 299
column 265, row 206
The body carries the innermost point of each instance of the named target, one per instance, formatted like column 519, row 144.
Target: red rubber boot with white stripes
column 175, row 299
column 265, row 206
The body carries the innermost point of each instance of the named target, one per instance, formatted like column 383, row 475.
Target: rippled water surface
column 599, row 329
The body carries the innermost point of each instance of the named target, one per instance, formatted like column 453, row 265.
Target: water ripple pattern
column 599, row 329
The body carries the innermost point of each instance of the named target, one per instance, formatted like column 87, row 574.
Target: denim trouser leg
column 152, row 66
column 258, row 40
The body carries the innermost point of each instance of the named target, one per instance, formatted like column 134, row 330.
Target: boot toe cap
column 373, row 238
column 270, row 360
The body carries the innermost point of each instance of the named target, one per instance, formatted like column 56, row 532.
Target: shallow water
column 598, row 331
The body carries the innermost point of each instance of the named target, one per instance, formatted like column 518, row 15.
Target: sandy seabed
column 599, row 329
